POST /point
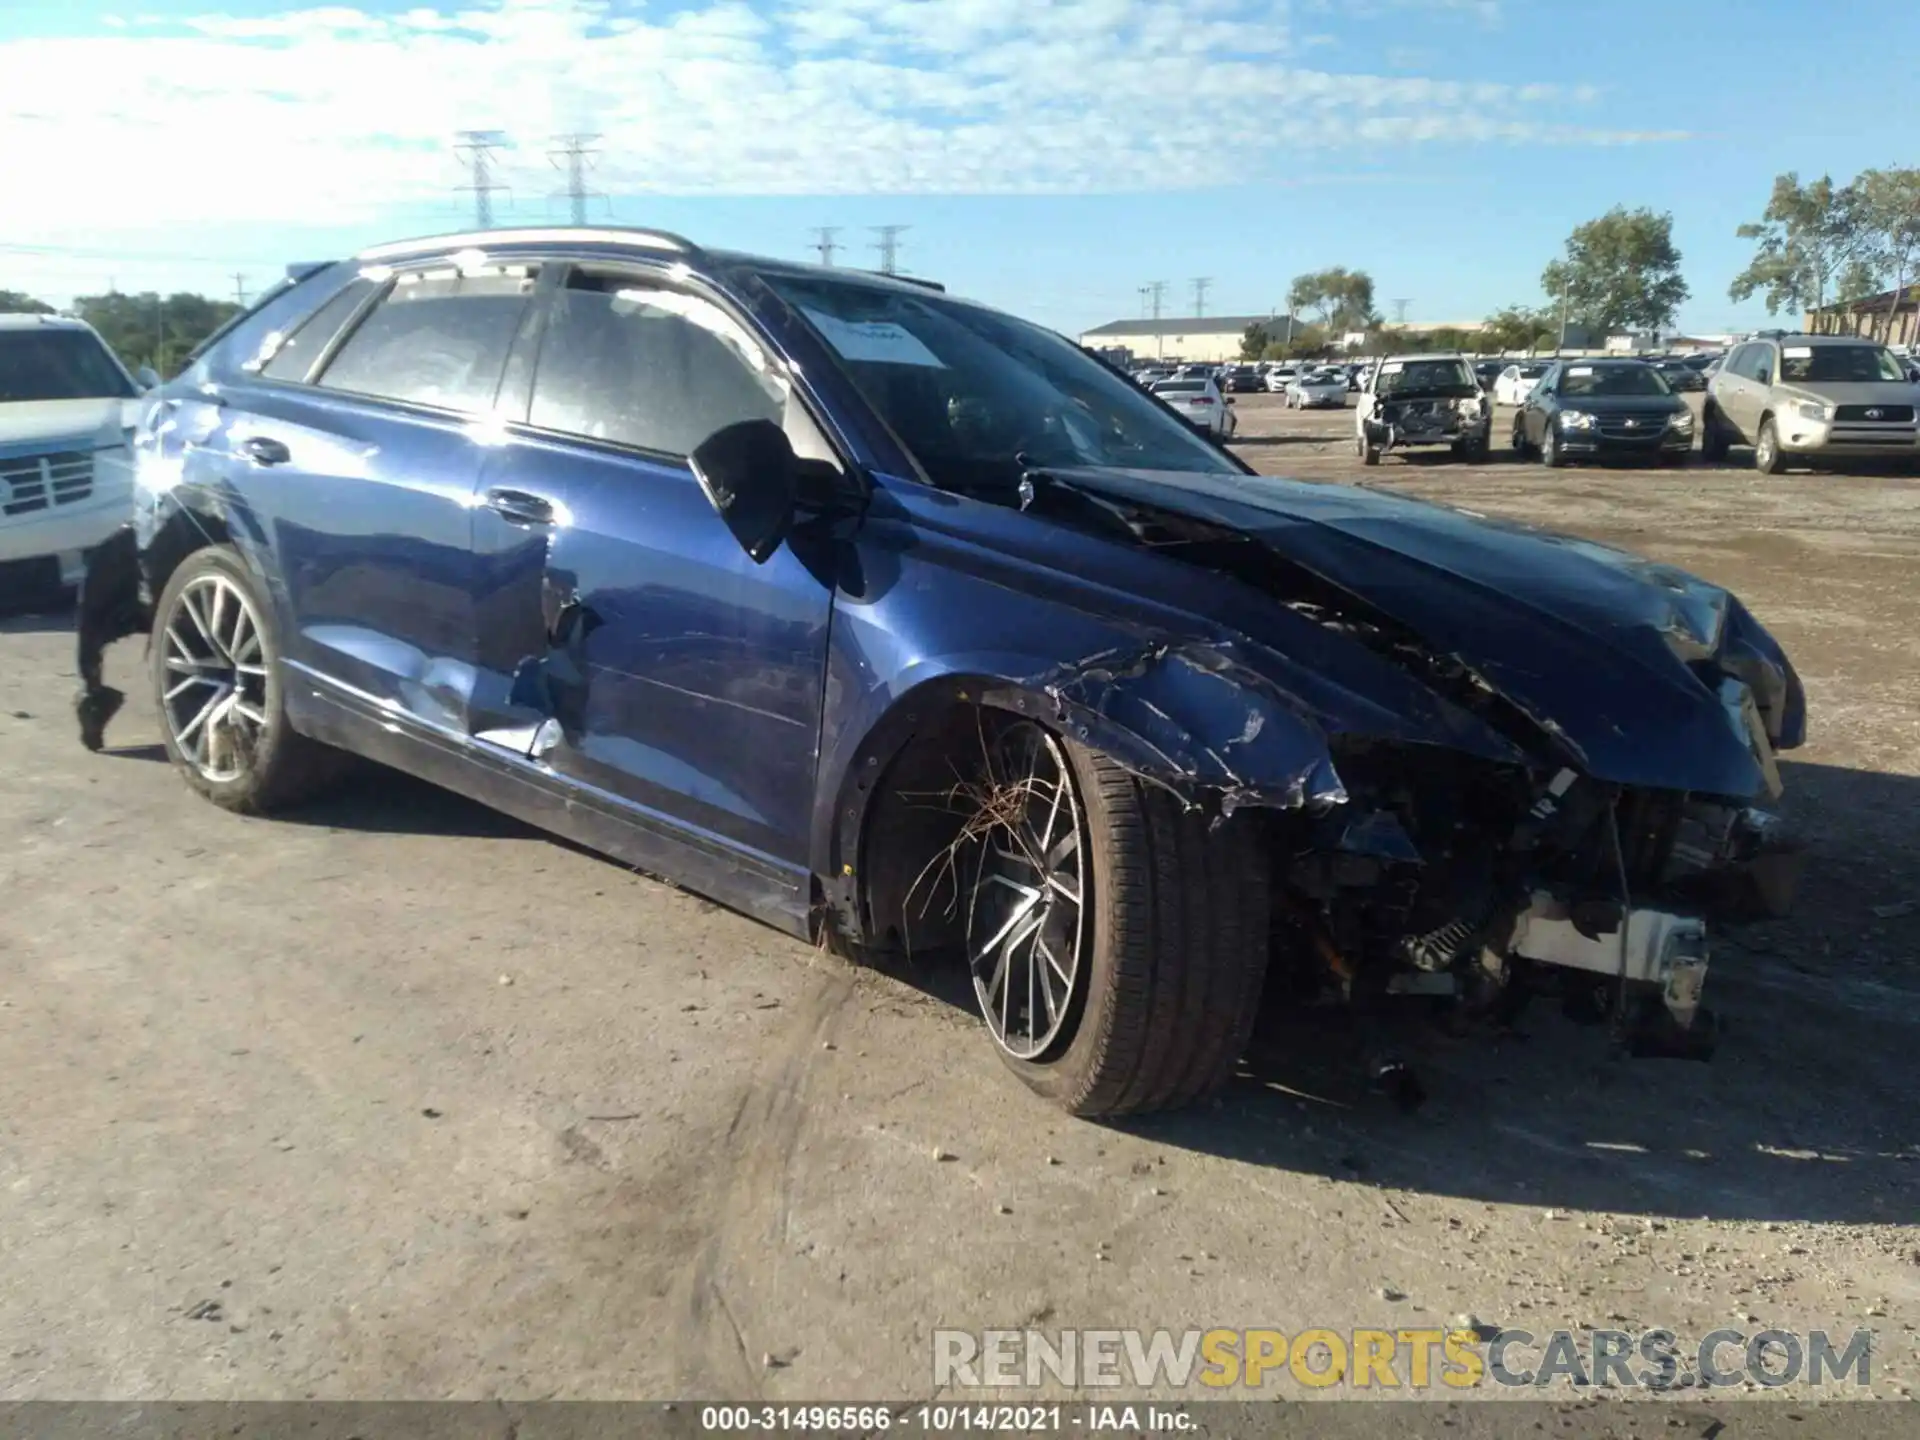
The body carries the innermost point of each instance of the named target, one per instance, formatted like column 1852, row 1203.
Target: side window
column 1735, row 361
column 295, row 358
column 628, row 360
column 439, row 337
column 1760, row 364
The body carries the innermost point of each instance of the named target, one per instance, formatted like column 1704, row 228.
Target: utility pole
column 1156, row 295
column 1201, row 284
column 477, row 146
column 1400, row 312
column 889, row 247
column 574, row 155
column 1142, row 293
column 824, row 242
column 240, row 289
column 1562, row 345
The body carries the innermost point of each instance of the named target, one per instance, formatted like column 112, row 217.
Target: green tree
column 18, row 302
column 1341, row 299
column 1254, row 341
column 1519, row 328
column 1807, row 237
column 1306, row 340
column 152, row 329
column 1888, row 214
column 1620, row 272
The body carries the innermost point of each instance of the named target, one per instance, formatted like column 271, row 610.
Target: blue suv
column 898, row 622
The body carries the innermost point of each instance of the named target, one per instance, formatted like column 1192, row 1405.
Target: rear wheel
column 1117, row 940
column 217, row 687
column 1767, row 456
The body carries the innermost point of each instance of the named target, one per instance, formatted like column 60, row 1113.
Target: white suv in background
column 67, row 409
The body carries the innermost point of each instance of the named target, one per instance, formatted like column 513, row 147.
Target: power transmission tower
column 477, row 147
column 824, row 243
column 1201, row 284
column 574, row 155
column 889, row 247
column 1400, row 311
column 1156, row 296
column 240, row 289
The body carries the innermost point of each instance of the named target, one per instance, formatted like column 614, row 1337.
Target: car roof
column 1791, row 338
column 1439, row 355
column 27, row 320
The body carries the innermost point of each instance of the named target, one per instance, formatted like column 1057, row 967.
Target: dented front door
column 627, row 642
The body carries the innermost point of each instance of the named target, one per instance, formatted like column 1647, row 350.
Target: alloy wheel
column 215, row 701
column 1026, row 915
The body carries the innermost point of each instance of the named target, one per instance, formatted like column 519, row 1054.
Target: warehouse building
column 1209, row 338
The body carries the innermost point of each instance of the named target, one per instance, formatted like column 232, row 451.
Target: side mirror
column 752, row 479
column 147, row 378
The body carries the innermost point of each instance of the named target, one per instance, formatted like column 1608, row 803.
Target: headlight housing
column 1575, row 420
column 1681, row 420
column 1812, row 410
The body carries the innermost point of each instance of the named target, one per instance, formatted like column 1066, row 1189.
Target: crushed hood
column 1621, row 664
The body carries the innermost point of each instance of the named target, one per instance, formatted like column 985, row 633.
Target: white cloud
column 335, row 114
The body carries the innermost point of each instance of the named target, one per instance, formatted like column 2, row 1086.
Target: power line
column 573, row 155
column 1201, row 284
column 889, row 247
column 823, row 242
column 478, row 147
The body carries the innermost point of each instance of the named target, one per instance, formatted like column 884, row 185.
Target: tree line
column 1818, row 244
column 144, row 329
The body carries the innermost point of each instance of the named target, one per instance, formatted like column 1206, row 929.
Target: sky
column 1047, row 156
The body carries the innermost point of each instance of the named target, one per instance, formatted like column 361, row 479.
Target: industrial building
column 1209, row 338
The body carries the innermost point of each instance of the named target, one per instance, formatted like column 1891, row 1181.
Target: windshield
column 50, row 364
column 1614, row 380
column 1426, row 377
column 1867, row 363
column 978, row 396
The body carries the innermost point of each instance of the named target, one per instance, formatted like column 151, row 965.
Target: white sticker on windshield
column 1579, row 370
column 1392, row 367
column 881, row 341
column 1798, row 352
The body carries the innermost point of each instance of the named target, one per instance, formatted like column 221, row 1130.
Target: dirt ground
column 396, row 1098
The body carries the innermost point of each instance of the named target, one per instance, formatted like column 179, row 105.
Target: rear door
column 657, row 662
column 366, row 445
column 1742, row 393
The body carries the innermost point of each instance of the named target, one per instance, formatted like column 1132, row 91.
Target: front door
column 657, row 662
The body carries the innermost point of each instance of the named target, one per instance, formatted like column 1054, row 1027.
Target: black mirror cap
column 752, row 479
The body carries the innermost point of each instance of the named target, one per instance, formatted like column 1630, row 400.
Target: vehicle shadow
column 35, row 616
column 380, row 801
column 1805, row 1113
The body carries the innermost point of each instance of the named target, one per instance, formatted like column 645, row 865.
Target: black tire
column 277, row 766
column 1472, row 452
column 1714, row 441
column 1174, row 957
column 1551, row 455
column 1768, row 458
column 1369, row 454
column 1520, row 446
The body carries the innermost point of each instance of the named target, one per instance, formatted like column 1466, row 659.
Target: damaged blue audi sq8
column 912, row 628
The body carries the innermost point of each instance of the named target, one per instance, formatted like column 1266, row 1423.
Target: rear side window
column 439, row 338
column 630, row 361
column 295, row 358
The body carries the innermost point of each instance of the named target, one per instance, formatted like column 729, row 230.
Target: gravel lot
column 397, row 1098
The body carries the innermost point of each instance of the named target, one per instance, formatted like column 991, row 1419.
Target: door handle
column 519, row 507
column 264, row 451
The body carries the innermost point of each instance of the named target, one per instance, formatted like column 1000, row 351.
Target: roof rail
column 913, row 280
column 543, row 235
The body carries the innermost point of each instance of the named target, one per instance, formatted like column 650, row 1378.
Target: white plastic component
column 1661, row 949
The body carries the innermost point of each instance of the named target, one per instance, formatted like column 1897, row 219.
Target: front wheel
column 1369, row 454
column 217, row 687
column 1767, row 456
column 1519, row 437
column 1551, row 454
column 1714, row 441
column 1117, row 940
